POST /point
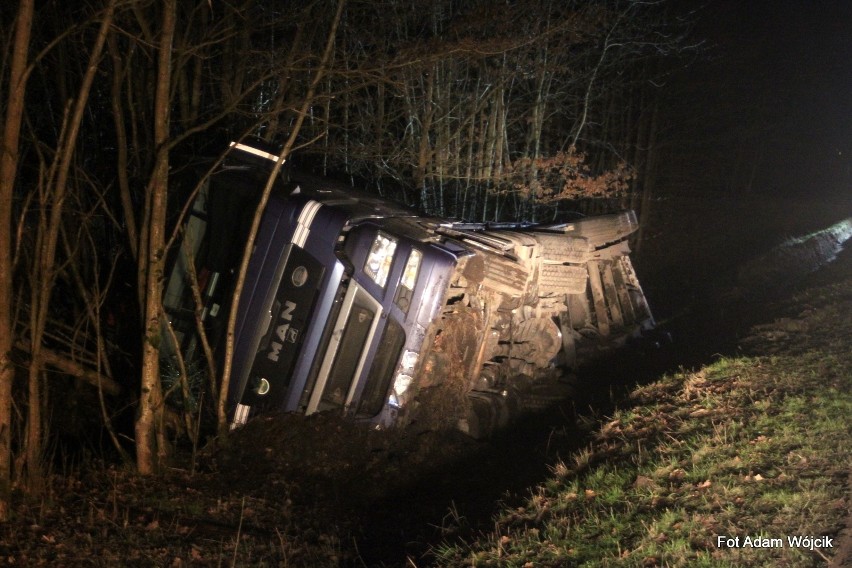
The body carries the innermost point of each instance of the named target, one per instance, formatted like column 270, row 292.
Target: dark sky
column 780, row 75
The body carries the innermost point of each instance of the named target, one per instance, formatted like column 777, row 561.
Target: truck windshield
column 347, row 341
column 378, row 381
column 352, row 345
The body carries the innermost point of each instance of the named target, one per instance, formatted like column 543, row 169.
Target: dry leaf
column 677, row 475
column 643, row 482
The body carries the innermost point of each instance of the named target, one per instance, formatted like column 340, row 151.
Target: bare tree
column 151, row 444
column 288, row 147
column 44, row 268
column 8, row 170
column 445, row 105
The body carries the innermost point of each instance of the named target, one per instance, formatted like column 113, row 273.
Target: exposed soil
column 289, row 490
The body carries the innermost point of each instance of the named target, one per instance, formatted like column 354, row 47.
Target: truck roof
column 359, row 204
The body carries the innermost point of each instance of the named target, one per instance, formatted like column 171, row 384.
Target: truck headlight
column 412, row 266
column 379, row 260
column 409, row 359
column 401, row 384
column 403, row 379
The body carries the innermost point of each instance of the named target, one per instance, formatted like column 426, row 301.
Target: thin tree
column 151, row 446
column 288, row 147
column 54, row 192
column 8, row 170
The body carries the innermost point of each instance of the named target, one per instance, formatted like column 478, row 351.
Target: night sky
column 780, row 76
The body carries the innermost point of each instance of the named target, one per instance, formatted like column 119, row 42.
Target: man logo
column 292, row 335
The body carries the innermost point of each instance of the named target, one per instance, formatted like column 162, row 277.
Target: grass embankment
column 753, row 446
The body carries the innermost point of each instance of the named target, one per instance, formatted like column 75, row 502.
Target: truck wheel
column 487, row 413
column 543, row 394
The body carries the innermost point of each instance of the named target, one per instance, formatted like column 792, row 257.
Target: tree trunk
column 8, row 168
column 151, row 449
column 118, row 73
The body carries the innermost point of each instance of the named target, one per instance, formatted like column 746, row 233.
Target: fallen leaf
column 643, row 482
column 677, row 475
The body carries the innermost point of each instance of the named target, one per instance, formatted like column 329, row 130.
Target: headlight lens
column 379, row 260
column 403, row 378
column 409, row 275
column 401, row 384
column 409, row 359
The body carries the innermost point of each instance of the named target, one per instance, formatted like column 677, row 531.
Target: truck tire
column 543, row 394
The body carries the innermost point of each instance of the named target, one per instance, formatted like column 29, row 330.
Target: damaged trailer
column 357, row 305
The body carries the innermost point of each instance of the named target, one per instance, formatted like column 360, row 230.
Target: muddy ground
column 287, row 490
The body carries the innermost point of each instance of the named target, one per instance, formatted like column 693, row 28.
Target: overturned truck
column 354, row 304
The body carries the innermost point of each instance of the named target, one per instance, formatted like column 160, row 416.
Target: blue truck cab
column 338, row 307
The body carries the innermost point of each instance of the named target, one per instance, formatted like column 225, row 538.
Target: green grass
column 744, row 447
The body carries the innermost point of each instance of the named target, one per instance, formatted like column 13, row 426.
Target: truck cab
column 353, row 304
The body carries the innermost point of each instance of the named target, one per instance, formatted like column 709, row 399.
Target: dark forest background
column 481, row 110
